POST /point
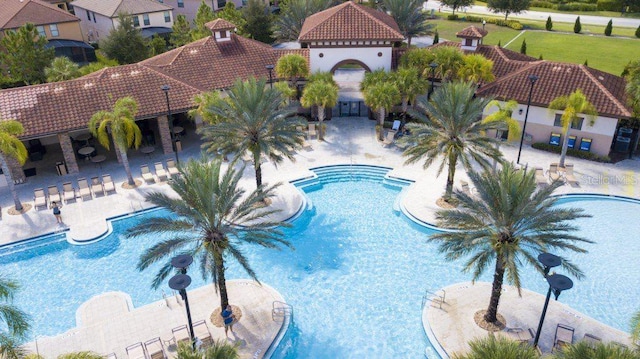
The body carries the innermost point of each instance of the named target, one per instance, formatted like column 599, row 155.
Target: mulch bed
column 126, row 184
column 25, row 208
column 216, row 318
column 491, row 327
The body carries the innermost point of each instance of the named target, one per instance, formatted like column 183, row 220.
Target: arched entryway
column 350, row 62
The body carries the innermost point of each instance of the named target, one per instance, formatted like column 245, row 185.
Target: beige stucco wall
column 67, row 30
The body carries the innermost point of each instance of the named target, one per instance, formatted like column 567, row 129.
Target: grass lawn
column 448, row 29
column 606, row 54
column 594, row 13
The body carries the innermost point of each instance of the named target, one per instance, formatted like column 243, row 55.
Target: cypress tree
column 540, row 58
column 638, row 32
column 500, row 45
column 436, row 38
column 609, row 28
column 549, row 24
column 586, row 62
column 577, row 27
column 523, row 47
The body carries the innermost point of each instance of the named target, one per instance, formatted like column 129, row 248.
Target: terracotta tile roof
column 64, row 106
column 472, row 32
column 219, row 24
column 350, row 21
column 111, row 8
column 16, row 13
column 605, row 91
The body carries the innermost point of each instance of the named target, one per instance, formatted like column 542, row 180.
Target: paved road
column 538, row 15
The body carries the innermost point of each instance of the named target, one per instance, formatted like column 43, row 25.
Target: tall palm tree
column 584, row 350
column 287, row 26
column 203, row 101
column 13, row 319
column 322, row 94
column 508, row 223
column 573, row 105
column 451, row 128
column 497, row 347
column 410, row 85
column 121, row 123
column 381, row 97
column 11, row 148
column 449, row 60
column 503, row 115
column 214, row 216
column 409, row 16
column 292, row 67
column 476, row 68
column 254, row 122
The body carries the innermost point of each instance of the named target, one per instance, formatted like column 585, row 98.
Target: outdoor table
column 99, row 159
column 86, row 151
column 83, row 137
column 147, row 150
column 178, row 130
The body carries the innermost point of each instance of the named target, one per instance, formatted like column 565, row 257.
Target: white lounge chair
column 389, row 138
column 96, row 186
column 146, row 174
column 136, row 351
column 155, row 349
column 161, row 173
column 201, row 331
column 54, row 194
column 172, row 169
column 83, row 188
column 541, row 180
column 570, row 177
column 107, row 184
column 39, row 198
column 554, row 174
column 181, row 334
column 68, row 192
column 312, row 130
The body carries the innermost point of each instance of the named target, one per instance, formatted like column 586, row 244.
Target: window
column 167, row 16
column 88, row 15
column 576, row 125
column 54, row 30
column 136, row 21
column 161, row 1
column 94, row 17
column 221, row 3
column 468, row 42
column 41, row 31
column 145, row 19
column 180, row 3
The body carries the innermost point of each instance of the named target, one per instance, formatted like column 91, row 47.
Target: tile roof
column 219, row 24
column 472, row 32
column 16, row 13
column 65, row 106
column 111, row 8
column 350, row 21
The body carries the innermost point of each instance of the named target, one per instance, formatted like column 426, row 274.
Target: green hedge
column 609, row 5
column 514, row 24
column 452, row 17
column 571, row 152
column 572, row 6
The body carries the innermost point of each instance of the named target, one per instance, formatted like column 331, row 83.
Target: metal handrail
column 281, row 310
column 430, row 296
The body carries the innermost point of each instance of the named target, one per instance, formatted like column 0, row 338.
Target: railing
column 434, row 297
column 281, row 310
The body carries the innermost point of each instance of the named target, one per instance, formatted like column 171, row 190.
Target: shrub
column 549, row 24
column 523, row 47
column 543, row 4
column 436, row 38
column 571, row 152
column 474, row 18
column 609, row 28
column 577, row 27
column 452, row 17
column 576, row 6
column 609, row 5
column 638, row 32
column 540, row 57
column 586, row 62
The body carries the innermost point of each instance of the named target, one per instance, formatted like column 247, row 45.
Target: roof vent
column 58, row 89
column 601, row 78
column 556, row 68
column 115, row 75
column 135, row 72
column 88, row 85
column 193, row 51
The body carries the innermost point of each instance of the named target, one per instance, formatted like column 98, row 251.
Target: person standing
column 228, row 319
column 56, row 212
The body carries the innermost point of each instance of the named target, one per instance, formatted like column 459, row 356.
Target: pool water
column 355, row 279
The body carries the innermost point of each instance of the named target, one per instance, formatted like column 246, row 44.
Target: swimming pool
column 355, row 280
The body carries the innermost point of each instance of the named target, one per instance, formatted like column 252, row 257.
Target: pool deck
column 348, row 141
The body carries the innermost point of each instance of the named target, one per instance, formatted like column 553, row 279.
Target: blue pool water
column 355, row 280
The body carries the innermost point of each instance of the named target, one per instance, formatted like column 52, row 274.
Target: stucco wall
column 156, row 19
column 66, row 31
column 93, row 31
column 190, row 8
column 367, row 55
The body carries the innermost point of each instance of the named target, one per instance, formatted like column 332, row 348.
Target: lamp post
column 433, row 66
column 181, row 262
column 532, row 80
column 180, row 282
column 484, row 22
column 165, row 89
column 270, row 68
column 557, row 284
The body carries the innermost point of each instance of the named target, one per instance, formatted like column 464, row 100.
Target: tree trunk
column 505, row 15
column 565, row 146
column 496, row 290
column 222, row 284
column 11, row 184
column 450, row 176
column 381, row 119
column 320, row 119
column 408, row 41
column 258, row 169
column 127, row 168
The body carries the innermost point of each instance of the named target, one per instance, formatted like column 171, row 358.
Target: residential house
column 189, row 8
column 99, row 17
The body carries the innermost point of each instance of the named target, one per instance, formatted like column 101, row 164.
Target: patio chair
column 136, row 351
column 541, row 180
column 201, row 331
column 96, row 186
column 172, row 168
column 146, row 174
column 312, row 130
column 107, row 184
column 155, row 349
column 564, row 336
column 161, row 173
column 83, row 188
column 520, row 335
column 569, row 176
column 591, row 340
column 111, row 356
column 301, row 129
column 39, row 198
column 389, row 138
column 54, row 194
column 554, row 174
column 181, row 335
column 68, row 192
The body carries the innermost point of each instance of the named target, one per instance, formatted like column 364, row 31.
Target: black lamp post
column 270, row 68
column 180, row 282
column 166, row 89
column 433, row 66
column 484, row 22
column 532, row 80
column 557, row 284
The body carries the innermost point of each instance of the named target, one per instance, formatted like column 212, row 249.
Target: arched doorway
column 345, row 63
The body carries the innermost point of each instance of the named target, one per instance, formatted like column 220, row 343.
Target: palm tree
column 584, row 350
column 508, row 222
column 409, row 16
column 11, row 148
column 213, row 217
column 219, row 350
column 381, row 97
column 451, row 128
column 292, row 67
column 15, row 322
column 503, row 115
column 476, row 68
column 573, row 105
column 632, row 75
column 419, row 59
column 635, row 327
column 80, row 355
column 121, row 123
column 449, row 60
column 203, row 101
column 374, row 78
column 287, row 26
column 62, row 69
column 254, row 122
column 322, row 94
column 497, row 347
column 410, row 85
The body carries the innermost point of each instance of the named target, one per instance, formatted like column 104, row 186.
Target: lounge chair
column 569, row 176
column 201, row 331
column 181, row 335
column 96, row 186
column 161, row 173
column 54, row 194
column 312, row 130
column 39, row 198
column 136, row 351
column 111, row 356
column 541, row 180
column 83, row 188
column 172, row 169
column 155, row 350
column 564, row 336
column 301, row 129
column 591, row 340
column 68, row 192
column 146, row 174
column 554, row 175
column 520, row 335
column 107, row 184
column 389, row 138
